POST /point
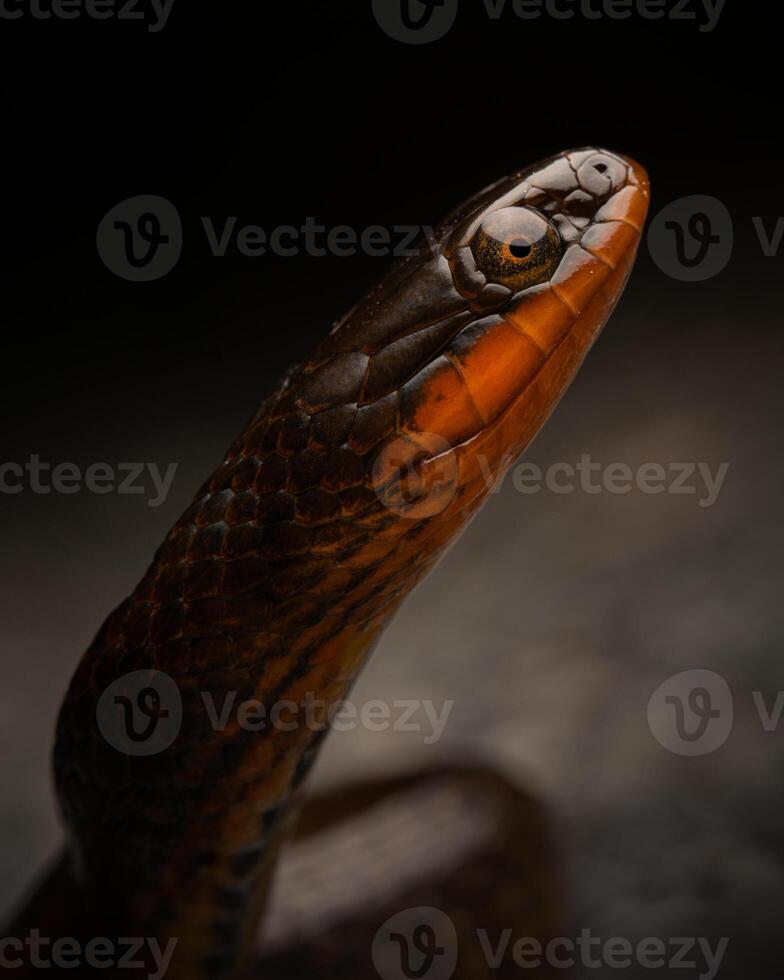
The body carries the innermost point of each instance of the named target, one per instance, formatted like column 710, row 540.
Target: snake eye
column 517, row 247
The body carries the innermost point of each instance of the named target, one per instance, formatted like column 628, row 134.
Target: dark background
column 574, row 608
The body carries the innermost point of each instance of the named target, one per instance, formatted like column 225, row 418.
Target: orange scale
column 578, row 277
column 629, row 204
column 609, row 239
column 498, row 366
column 542, row 315
column 370, row 553
column 437, row 401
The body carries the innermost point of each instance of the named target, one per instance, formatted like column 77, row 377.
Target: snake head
column 469, row 344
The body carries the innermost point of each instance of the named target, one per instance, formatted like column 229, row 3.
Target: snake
column 343, row 491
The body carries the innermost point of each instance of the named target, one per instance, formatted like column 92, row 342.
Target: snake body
column 338, row 497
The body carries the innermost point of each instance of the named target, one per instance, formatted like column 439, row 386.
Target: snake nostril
column 600, row 168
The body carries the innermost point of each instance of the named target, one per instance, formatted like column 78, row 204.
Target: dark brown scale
column 207, row 542
column 272, row 474
column 343, row 468
column 242, row 507
column 468, row 279
column 274, row 508
column 356, row 501
column 335, row 383
column 245, row 539
column 338, row 539
column 330, row 428
column 316, row 507
column 372, row 327
column 203, row 579
column 291, row 433
column 199, row 616
column 403, row 358
column 212, row 509
column 242, row 575
column 372, row 423
column 306, row 471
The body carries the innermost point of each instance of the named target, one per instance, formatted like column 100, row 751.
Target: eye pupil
column 516, row 247
column 520, row 249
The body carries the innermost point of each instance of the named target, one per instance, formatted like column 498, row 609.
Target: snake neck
column 250, row 626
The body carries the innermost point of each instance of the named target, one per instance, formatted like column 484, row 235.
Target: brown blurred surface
column 442, row 850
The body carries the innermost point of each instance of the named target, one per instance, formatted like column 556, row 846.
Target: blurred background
column 557, row 616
